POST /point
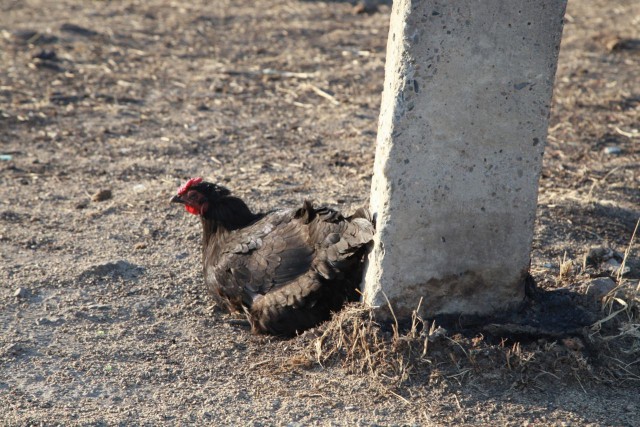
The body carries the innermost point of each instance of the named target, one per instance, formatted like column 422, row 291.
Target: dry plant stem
column 395, row 319
column 323, row 93
column 627, row 252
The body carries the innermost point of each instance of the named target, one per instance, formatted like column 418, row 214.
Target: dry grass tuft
column 356, row 342
column 622, row 308
column 566, row 270
column 423, row 352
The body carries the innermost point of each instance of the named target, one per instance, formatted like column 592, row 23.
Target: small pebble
column 616, row 268
column 102, row 195
column 21, row 293
column 139, row 188
column 53, row 321
column 99, row 307
column 612, row 150
column 600, row 286
column 365, row 6
column 12, row 349
column 46, row 55
column 139, row 246
column 82, row 205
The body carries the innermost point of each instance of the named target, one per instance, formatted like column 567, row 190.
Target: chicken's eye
column 193, row 196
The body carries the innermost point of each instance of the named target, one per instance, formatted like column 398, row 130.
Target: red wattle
column 192, row 210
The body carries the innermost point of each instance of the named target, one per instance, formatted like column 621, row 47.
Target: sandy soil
column 104, row 317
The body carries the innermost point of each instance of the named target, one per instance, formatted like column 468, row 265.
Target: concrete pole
column 462, row 131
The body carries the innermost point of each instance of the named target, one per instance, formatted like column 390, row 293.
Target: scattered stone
column 615, row 267
column 618, row 44
column 142, row 308
column 140, row 245
column 49, row 65
column 597, row 255
column 112, row 270
column 12, row 349
column 82, row 204
column 365, row 6
column 33, row 37
column 99, row 307
column 613, row 150
column 59, row 98
column 102, row 195
column 77, row 29
column 600, row 287
column 46, row 55
column 139, row 188
column 21, row 293
column 52, row 321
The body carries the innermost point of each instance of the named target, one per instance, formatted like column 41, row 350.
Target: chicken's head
column 197, row 195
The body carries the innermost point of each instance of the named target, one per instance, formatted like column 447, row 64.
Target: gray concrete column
column 462, row 130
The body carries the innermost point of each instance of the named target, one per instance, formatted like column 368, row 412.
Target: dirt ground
column 104, row 317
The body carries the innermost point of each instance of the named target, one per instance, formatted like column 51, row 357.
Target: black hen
column 287, row 269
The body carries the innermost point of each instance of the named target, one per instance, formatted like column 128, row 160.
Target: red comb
column 185, row 188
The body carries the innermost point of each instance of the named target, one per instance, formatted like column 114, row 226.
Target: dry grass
column 354, row 341
column 566, row 270
column 423, row 352
column 623, row 302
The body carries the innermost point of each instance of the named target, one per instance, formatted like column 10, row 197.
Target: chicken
column 289, row 269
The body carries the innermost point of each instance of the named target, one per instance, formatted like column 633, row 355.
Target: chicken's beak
column 177, row 199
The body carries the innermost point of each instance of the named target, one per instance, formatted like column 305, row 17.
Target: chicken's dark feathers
column 288, row 269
